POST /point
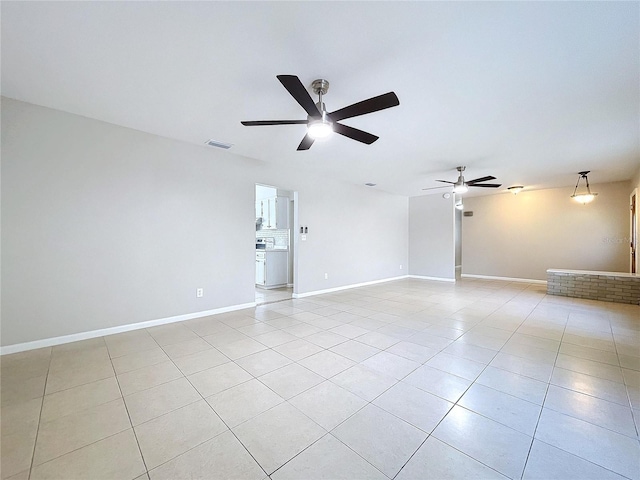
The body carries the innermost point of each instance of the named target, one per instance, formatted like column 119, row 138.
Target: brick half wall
column 605, row 286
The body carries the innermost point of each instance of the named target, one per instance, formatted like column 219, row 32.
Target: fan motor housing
column 320, row 86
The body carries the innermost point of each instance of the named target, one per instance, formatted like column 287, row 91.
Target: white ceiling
column 531, row 93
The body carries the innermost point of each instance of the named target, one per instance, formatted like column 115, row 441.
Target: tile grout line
column 201, row 398
column 524, row 466
column 623, row 383
column 78, row 448
column 626, row 387
column 44, row 392
column 456, row 403
column 135, row 435
column 328, row 432
column 325, row 379
column 561, row 413
column 287, row 401
column 544, row 399
column 212, row 409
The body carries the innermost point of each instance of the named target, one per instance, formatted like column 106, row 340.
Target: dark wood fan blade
column 296, row 89
column 259, row 123
column 370, row 105
column 486, row 185
column 446, row 181
column 354, row 133
column 481, row 179
column 306, row 143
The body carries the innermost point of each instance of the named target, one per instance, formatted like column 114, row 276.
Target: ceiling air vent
column 215, row 143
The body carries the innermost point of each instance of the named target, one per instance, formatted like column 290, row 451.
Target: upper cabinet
column 274, row 212
column 282, row 213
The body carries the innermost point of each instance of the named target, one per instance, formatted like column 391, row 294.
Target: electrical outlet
column 400, row 267
column 199, row 292
column 326, row 276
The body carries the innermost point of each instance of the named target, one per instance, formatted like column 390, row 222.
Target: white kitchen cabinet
column 271, row 212
column 282, row 213
column 260, row 268
column 272, row 267
column 274, row 212
column 277, row 268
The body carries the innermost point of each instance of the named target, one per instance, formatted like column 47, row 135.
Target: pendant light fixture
column 583, row 197
column 515, row 189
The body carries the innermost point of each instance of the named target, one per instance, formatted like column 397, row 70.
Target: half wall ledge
column 615, row 287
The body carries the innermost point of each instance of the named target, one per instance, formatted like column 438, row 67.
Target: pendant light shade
column 585, row 195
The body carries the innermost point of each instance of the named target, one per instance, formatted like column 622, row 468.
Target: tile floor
column 409, row 379
column 270, row 295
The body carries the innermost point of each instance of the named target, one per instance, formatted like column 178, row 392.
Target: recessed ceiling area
column 528, row 92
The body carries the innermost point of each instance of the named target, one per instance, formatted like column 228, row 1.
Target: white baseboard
column 50, row 342
column 506, row 279
column 345, row 287
column 437, row 279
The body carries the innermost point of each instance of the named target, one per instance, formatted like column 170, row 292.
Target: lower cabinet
column 260, row 268
column 272, row 268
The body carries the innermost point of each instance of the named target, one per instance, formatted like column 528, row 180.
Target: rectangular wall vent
column 215, row 143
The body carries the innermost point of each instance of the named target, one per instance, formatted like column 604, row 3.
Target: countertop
column 590, row 272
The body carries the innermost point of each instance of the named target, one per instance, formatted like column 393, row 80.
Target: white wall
column 521, row 236
column 263, row 192
column 105, row 226
column 340, row 219
column 431, row 236
column 635, row 181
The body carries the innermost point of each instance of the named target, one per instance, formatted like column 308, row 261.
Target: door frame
column 633, row 231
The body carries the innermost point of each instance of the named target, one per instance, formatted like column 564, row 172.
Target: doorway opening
column 275, row 251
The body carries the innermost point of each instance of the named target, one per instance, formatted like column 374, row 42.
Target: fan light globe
column 319, row 129
column 462, row 188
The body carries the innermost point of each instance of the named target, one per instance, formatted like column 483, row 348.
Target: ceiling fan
column 460, row 186
column 321, row 123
